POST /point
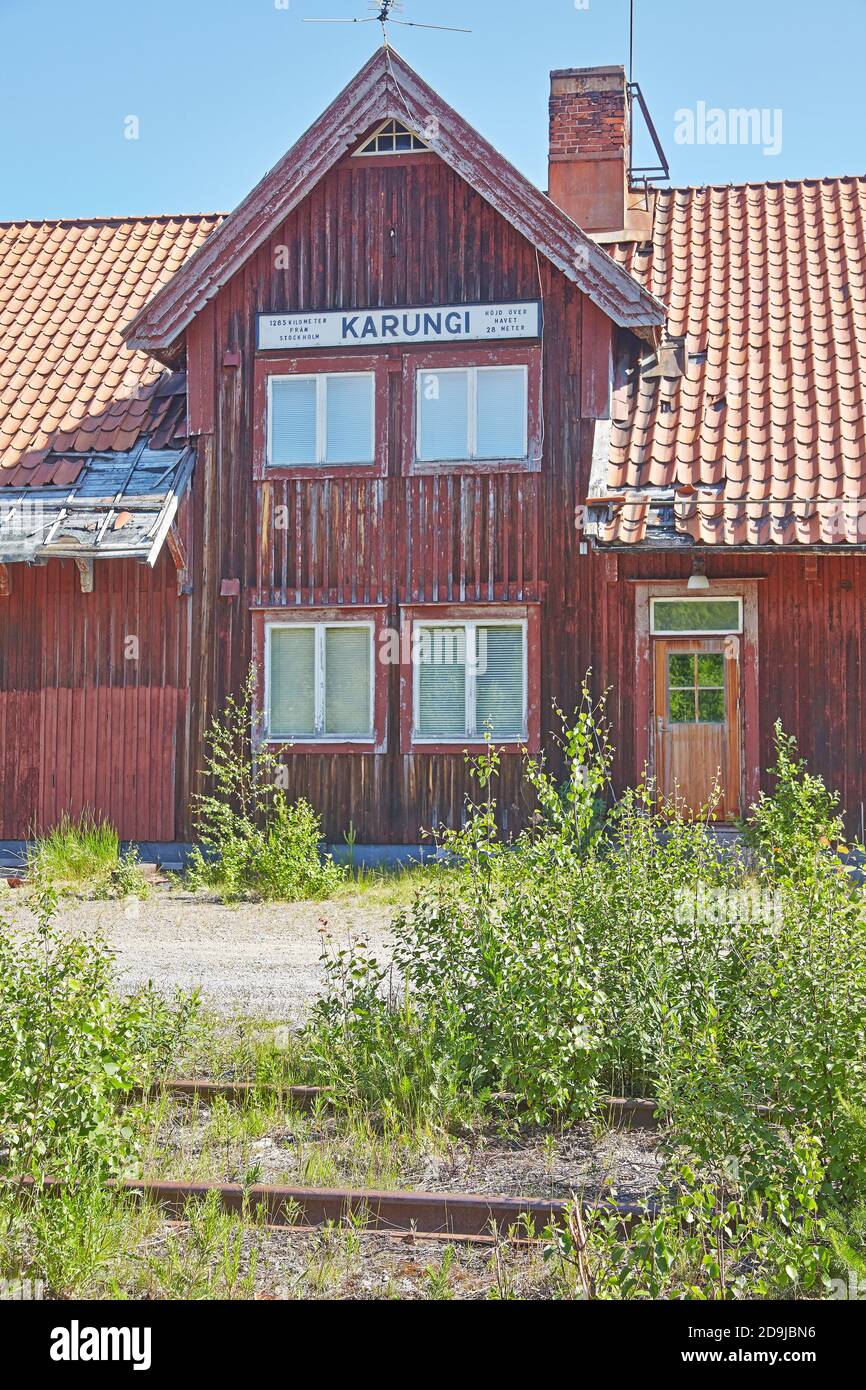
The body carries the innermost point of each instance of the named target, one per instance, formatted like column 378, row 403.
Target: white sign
column 452, row 323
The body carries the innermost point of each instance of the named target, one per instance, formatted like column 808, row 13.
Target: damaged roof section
column 113, row 506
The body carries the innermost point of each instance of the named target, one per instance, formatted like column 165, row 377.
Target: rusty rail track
column 620, row 1112
column 453, row 1216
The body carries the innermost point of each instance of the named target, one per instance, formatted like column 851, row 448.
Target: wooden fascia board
column 372, row 96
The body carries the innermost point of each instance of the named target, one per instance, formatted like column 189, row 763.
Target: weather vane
column 384, row 16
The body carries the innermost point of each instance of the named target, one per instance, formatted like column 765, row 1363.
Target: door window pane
column 501, row 420
column 711, row 669
column 347, row 681
column 682, row 670
column 292, row 682
column 293, row 421
column 711, row 706
column 681, row 707
column 499, row 681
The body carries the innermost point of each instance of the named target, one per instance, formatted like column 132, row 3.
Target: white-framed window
column 689, row 614
column 468, row 414
column 393, row 137
column 470, row 678
column 319, row 681
column 321, row 419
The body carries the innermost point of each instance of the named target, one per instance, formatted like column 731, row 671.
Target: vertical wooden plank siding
column 86, row 724
column 82, row 724
column 398, row 540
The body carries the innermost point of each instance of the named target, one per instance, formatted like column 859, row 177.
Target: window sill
column 424, row 468
column 323, row 745
column 323, row 471
column 462, row 745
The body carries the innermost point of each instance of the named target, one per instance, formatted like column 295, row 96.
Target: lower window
column 470, row 680
column 319, row 681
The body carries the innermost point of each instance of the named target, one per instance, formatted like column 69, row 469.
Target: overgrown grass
column 391, row 887
column 84, row 855
column 632, row 955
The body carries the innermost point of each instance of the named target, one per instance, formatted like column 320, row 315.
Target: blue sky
column 221, row 88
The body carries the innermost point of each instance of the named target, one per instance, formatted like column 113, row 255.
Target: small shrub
column 254, row 841
column 705, row 1243
column 70, row 1047
column 125, row 878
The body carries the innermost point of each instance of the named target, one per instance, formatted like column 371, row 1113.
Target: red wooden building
column 426, row 444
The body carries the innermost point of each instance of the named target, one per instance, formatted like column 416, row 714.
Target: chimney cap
column 614, row 69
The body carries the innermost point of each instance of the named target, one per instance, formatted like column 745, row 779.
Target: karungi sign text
column 363, row 327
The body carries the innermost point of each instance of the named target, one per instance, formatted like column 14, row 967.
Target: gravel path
column 253, row 958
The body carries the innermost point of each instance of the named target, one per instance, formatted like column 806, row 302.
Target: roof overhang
column 388, row 87
column 688, row 518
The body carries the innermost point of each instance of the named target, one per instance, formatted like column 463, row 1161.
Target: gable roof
column 69, row 384
column 388, row 87
column 763, row 441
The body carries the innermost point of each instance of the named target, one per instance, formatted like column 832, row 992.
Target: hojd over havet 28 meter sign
column 443, row 324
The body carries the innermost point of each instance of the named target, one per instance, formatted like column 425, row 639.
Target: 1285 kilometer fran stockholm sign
column 442, row 324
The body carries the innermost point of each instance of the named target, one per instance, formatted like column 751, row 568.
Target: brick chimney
column 589, row 153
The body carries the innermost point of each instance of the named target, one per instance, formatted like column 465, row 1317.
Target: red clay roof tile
column 767, row 283
column 66, row 376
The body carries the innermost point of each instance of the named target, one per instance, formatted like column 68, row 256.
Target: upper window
column 392, row 137
column 321, row 420
column 319, row 681
column 468, row 414
column 470, row 679
column 713, row 616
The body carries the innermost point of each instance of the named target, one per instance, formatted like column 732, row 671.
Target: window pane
column 703, row 615
column 292, row 682
column 711, row 669
column 293, row 421
column 443, row 415
column 499, row 682
column 347, row 681
column 349, row 418
column 501, row 413
column 441, row 677
column 711, row 706
column 681, row 670
column 681, row 706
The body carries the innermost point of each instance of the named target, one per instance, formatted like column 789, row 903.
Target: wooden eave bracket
column 178, row 554
column 85, row 575
column 5, row 581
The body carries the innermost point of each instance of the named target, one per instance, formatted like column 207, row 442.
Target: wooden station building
column 426, row 444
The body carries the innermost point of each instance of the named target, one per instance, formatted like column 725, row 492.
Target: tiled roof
column 68, row 382
column 763, row 441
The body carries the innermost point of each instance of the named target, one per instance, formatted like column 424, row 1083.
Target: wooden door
column 698, row 722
